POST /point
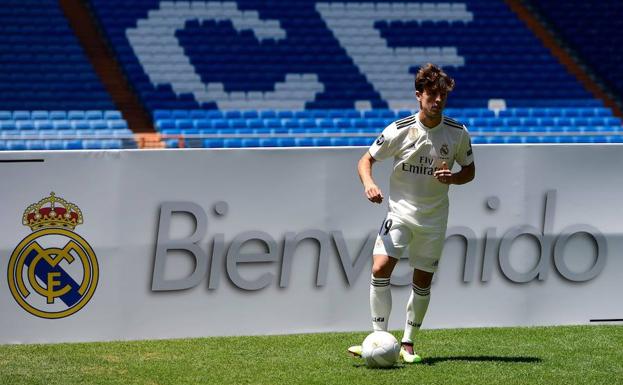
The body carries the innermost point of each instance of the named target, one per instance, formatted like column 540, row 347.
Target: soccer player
column 424, row 147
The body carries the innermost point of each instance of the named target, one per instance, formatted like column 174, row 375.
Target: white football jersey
column 415, row 194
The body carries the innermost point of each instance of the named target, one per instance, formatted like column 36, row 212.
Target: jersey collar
column 426, row 128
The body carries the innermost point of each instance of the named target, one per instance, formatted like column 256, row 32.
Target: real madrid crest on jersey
column 53, row 272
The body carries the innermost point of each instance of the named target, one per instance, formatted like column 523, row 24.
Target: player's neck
column 429, row 122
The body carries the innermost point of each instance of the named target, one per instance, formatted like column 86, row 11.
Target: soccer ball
column 380, row 350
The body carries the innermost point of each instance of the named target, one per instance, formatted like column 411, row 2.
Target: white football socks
column 416, row 310
column 380, row 303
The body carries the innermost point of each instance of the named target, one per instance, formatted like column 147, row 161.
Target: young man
column 424, row 147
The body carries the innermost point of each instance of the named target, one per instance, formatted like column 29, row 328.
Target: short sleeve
column 464, row 155
column 387, row 144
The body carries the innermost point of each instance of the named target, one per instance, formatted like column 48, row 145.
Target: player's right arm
column 385, row 146
column 371, row 190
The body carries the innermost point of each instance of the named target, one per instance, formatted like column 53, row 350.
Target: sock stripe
column 380, row 281
column 421, row 291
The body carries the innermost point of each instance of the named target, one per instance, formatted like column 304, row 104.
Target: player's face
column 432, row 102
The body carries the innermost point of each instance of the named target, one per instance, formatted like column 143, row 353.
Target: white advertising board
column 185, row 243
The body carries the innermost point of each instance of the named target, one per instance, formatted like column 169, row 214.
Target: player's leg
column 380, row 291
column 380, row 295
column 431, row 246
column 390, row 244
column 418, row 303
column 416, row 310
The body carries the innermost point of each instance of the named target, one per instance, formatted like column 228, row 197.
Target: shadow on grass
column 504, row 359
column 363, row 365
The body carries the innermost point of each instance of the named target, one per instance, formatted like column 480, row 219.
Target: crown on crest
column 52, row 211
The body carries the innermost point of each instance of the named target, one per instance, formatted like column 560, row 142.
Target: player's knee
column 422, row 278
column 382, row 269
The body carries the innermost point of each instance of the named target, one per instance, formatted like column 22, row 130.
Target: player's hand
column 373, row 193
column 444, row 175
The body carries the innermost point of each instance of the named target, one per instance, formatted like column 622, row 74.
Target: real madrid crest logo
column 53, row 272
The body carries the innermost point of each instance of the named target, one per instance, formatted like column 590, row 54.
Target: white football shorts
column 424, row 244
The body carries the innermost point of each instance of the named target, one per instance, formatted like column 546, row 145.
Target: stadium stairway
column 85, row 27
column 580, row 25
column 573, row 64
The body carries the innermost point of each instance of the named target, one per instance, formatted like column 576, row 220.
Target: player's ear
column 418, row 95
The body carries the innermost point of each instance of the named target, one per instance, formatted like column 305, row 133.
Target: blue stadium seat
column 184, row 124
column 285, row 142
column 117, row 124
column 92, row 144
column 213, row 143
column 80, row 125
column 112, row 115
column 93, row 115
column 76, row 115
column 269, row 142
column 232, row 142
column 43, row 125
column 16, row 145
column 233, row 114
column 268, row 114
column 53, row 145
column 72, row 144
column 162, row 114
column 98, row 124
column 250, row 142
column 220, row 124
column 322, row 142
column 24, row 125
column 39, row 115
column 58, row 115
column 35, row 145
column 303, row 142
column 339, row 141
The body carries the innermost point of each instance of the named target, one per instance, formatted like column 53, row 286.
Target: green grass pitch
column 539, row 355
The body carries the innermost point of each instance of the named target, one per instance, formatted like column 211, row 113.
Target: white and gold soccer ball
column 380, row 350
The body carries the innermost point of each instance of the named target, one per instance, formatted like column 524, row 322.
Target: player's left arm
column 465, row 159
column 465, row 175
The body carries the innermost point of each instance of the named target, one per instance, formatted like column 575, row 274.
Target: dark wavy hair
column 432, row 78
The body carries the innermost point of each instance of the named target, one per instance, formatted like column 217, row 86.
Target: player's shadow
column 505, row 359
column 399, row 365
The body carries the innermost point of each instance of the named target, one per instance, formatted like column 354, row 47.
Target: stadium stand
column 297, row 73
column 575, row 22
column 215, row 72
column 64, row 130
column 48, row 89
column 43, row 66
column 318, row 55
